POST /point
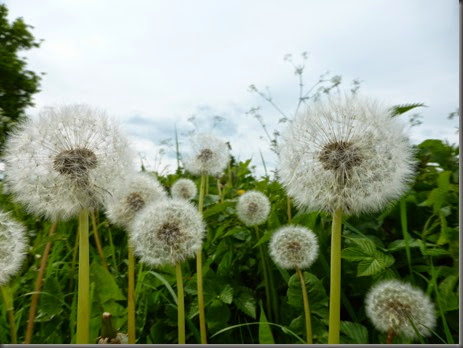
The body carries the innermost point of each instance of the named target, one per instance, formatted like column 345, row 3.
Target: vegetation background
column 416, row 239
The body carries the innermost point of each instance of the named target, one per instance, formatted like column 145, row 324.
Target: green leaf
column 51, row 300
column 245, row 301
column 401, row 109
column 226, row 295
column 105, row 284
column 354, row 254
column 357, row 333
column 365, row 244
column 374, row 264
column 265, row 333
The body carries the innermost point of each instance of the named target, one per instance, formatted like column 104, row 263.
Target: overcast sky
column 154, row 64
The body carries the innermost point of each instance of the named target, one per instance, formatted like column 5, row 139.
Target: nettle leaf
column 265, row 333
column 354, row 254
column 375, row 264
column 316, row 293
column 226, row 295
column 245, row 301
column 105, row 284
column 448, row 297
column 364, row 244
column 356, row 333
column 51, row 300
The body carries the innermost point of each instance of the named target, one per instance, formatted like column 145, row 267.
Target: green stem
column 219, row 190
column 97, row 240
column 265, row 271
column 180, row 305
column 335, row 279
column 289, row 209
column 131, row 296
column 308, row 325
column 73, row 263
column 207, row 184
column 83, row 296
column 403, row 221
column 8, row 299
column 199, row 272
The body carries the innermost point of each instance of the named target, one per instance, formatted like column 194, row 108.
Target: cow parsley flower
column 253, row 208
column 184, row 189
column 392, row 305
column 167, row 232
column 294, row 247
column 12, row 247
column 131, row 196
column 345, row 153
column 65, row 161
column 210, row 155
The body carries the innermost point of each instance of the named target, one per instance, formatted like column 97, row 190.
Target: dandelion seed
column 210, row 155
column 131, row 196
column 12, row 247
column 65, row 161
column 294, row 247
column 184, row 189
column 167, row 232
column 346, row 153
column 394, row 305
column 253, row 208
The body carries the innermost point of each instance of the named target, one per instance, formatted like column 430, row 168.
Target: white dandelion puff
column 209, row 155
column 346, row 152
column 132, row 195
column 184, row 189
column 294, row 247
column 65, row 161
column 253, row 208
column 12, row 247
column 394, row 305
column 167, row 232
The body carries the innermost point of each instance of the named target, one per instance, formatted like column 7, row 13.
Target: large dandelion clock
column 167, row 232
column 132, row 195
column 345, row 153
column 65, row 161
column 398, row 306
column 12, row 247
column 209, row 155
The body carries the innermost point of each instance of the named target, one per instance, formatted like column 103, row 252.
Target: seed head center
column 340, row 156
column 205, row 155
column 75, row 163
column 170, row 233
column 294, row 247
column 135, row 201
column 253, row 207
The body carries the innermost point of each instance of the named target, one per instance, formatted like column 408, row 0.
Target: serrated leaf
column 265, row 333
column 51, row 300
column 226, row 295
column 354, row 254
column 365, row 244
column 401, row 109
column 105, row 284
column 357, row 333
column 245, row 301
column 375, row 264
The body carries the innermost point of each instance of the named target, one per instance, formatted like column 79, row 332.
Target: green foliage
column 17, row 83
column 373, row 249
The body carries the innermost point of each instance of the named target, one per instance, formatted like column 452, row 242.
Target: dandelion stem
column 199, row 272
column 308, row 325
column 265, row 271
column 97, row 241
column 8, row 299
column 73, row 262
column 219, row 190
column 403, row 221
column 38, row 285
column 289, row 209
column 131, row 296
column 207, row 184
column 390, row 336
column 83, row 298
column 335, row 279
column 180, row 305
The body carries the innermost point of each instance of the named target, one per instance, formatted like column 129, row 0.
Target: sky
column 157, row 66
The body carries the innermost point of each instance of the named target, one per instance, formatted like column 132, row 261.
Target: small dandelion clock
column 253, row 208
column 184, row 189
column 396, row 307
column 296, row 247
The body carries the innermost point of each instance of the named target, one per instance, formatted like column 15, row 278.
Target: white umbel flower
column 346, row 152
column 12, row 247
column 167, row 232
column 131, row 196
column 253, row 208
column 184, row 189
column 209, row 155
column 65, row 161
column 294, row 247
column 391, row 304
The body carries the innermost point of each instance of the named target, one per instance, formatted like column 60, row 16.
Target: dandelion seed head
column 131, row 196
column 65, row 161
column 392, row 304
column 209, row 155
column 12, row 247
column 167, row 232
column 253, row 208
column 184, row 189
column 345, row 152
column 294, row 247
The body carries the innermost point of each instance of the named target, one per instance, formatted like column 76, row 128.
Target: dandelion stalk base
column 83, row 296
column 180, row 305
column 308, row 324
column 131, row 296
